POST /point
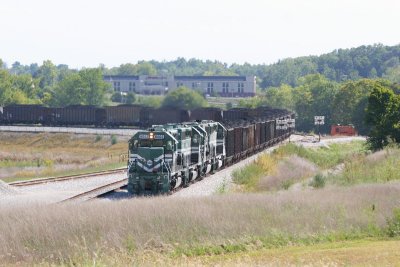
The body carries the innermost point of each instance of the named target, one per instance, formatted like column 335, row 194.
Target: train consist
column 169, row 156
column 122, row 115
column 180, row 146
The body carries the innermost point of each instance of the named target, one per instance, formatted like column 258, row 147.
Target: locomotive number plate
column 156, row 136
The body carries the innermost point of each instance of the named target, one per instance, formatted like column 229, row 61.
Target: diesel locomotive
column 173, row 155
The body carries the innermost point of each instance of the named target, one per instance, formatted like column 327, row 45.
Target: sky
column 86, row 33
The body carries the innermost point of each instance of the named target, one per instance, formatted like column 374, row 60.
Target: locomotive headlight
column 151, row 135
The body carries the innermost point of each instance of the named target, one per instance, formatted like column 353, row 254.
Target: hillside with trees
column 336, row 85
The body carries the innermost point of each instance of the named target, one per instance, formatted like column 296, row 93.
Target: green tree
column 5, row 88
column 47, row 74
column 144, row 68
column 314, row 98
column 69, row 91
column 280, row 97
column 94, row 87
column 184, row 98
column 130, row 98
column 83, row 88
column 351, row 101
column 384, row 116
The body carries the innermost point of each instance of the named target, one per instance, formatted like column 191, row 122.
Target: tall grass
column 250, row 175
column 382, row 166
column 324, row 157
column 218, row 224
column 27, row 155
column 288, row 171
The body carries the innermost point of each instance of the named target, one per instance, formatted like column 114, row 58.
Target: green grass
column 325, row 157
column 380, row 167
column 248, row 176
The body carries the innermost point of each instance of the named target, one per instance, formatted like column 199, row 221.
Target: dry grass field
column 34, row 155
column 178, row 228
column 352, row 219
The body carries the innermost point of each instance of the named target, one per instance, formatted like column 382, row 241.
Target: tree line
column 341, row 103
column 372, row 61
column 51, row 85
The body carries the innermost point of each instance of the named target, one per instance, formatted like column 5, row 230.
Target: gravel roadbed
column 53, row 192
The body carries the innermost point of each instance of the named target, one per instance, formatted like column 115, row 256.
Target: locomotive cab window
column 169, row 145
column 195, row 139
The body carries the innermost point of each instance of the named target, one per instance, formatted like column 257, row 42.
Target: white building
column 225, row 86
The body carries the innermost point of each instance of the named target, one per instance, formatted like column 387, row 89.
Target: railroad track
column 65, row 178
column 98, row 191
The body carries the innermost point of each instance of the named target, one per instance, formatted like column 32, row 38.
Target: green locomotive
column 166, row 157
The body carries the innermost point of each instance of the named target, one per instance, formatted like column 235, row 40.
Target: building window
column 132, row 87
column 178, row 84
column 225, row 87
column 210, row 88
column 240, row 87
column 117, row 86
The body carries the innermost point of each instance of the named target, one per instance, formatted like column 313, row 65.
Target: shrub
column 286, row 184
column 98, row 138
column 393, row 224
column 318, row 181
column 113, row 140
column 116, row 97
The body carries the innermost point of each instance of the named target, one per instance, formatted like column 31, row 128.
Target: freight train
column 167, row 157
column 116, row 116
column 181, row 147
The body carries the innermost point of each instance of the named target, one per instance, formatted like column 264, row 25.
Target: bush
column 116, row 97
column 286, row 184
column 393, row 224
column 113, row 140
column 130, row 98
column 318, row 181
column 98, row 138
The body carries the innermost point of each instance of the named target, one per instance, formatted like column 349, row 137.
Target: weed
column 318, row 181
column 98, row 138
column 113, row 139
column 379, row 167
column 286, row 184
column 393, row 224
column 223, row 187
column 324, row 157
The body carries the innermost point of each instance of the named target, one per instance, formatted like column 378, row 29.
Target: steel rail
column 98, row 191
column 65, row 178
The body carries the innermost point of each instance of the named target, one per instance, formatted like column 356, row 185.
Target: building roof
column 120, row 77
column 178, row 78
column 210, row 78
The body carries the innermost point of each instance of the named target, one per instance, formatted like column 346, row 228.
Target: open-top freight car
column 123, row 115
column 25, row 114
column 78, row 115
column 157, row 116
column 214, row 114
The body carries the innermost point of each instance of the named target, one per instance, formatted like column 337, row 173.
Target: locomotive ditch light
column 151, row 135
